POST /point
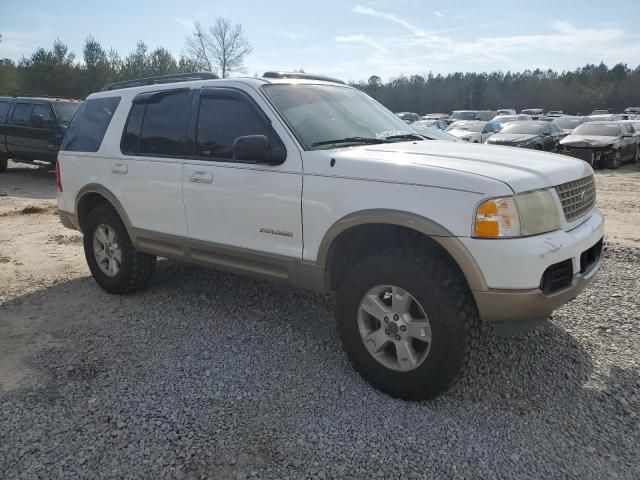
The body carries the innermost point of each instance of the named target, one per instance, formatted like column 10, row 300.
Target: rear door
column 18, row 131
column 41, row 130
column 241, row 204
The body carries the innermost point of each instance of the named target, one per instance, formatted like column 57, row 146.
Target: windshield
column 66, row 110
column 522, row 128
column 463, row 115
column 319, row 114
column 467, row 126
column 600, row 129
column 567, row 123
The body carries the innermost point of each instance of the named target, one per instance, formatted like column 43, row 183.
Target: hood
column 458, row 165
column 587, row 141
column 460, row 133
column 511, row 137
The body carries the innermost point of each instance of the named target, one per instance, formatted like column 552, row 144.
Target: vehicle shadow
column 29, row 181
column 238, row 348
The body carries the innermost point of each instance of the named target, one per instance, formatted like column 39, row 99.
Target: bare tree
column 222, row 47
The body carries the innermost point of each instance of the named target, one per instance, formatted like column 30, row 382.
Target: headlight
column 522, row 215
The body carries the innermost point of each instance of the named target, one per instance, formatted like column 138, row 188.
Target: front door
column 42, row 124
column 242, row 205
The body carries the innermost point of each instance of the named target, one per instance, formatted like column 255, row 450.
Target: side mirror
column 257, row 148
column 37, row 120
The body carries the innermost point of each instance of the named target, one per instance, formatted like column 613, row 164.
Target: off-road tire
column 437, row 284
column 136, row 268
column 614, row 161
column 4, row 162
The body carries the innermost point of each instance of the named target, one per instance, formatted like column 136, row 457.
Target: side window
column 222, row 119
column 4, row 108
column 89, row 125
column 45, row 111
column 131, row 136
column 20, row 114
column 164, row 126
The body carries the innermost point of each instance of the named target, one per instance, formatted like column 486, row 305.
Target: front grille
column 577, row 197
column 557, row 277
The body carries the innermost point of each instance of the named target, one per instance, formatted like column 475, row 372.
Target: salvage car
column 568, row 123
column 534, row 113
column 473, row 131
column 304, row 180
column 511, row 118
column 457, row 115
column 408, row 117
column 533, row 134
column 437, row 124
column 602, row 144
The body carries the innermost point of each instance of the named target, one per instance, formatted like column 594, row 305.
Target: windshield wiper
column 363, row 140
column 405, row 136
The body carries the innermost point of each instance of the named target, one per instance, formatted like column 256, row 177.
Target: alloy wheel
column 106, row 250
column 394, row 328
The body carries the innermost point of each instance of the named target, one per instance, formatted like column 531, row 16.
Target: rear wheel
column 408, row 322
column 114, row 263
column 4, row 162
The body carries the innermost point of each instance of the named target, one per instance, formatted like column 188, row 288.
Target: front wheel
column 115, row 265
column 4, row 162
column 615, row 160
column 408, row 322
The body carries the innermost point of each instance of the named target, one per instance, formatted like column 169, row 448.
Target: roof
column 45, row 99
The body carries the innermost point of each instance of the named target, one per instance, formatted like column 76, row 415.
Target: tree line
column 577, row 91
column 222, row 47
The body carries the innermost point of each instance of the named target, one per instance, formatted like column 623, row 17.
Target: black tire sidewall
column 120, row 282
column 4, row 163
column 447, row 355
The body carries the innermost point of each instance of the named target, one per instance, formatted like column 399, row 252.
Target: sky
column 349, row 40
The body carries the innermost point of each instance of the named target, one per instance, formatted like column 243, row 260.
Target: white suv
column 307, row 181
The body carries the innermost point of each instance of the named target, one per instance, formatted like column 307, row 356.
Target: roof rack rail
column 178, row 77
column 37, row 95
column 302, row 76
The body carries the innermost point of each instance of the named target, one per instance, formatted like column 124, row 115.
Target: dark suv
column 31, row 128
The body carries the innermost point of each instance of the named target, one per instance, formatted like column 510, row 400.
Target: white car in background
column 506, row 111
column 511, row 118
column 474, row 131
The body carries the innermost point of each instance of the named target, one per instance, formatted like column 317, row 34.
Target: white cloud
column 438, row 14
column 420, row 50
column 187, row 24
column 360, row 38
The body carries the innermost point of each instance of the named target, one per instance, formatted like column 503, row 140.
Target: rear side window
column 223, row 119
column 157, row 125
column 21, row 113
column 89, row 125
column 4, row 108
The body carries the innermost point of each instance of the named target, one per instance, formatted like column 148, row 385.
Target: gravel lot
column 210, row 375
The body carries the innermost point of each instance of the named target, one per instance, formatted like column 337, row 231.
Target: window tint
column 45, row 111
column 164, row 126
column 131, row 137
column 223, row 119
column 4, row 108
column 89, row 125
column 21, row 113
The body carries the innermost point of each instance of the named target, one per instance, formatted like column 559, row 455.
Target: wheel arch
column 349, row 238
column 95, row 194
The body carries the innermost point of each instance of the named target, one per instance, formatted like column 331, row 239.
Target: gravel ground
column 210, row 375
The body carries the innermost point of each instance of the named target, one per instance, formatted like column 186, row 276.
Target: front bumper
column 514, row 269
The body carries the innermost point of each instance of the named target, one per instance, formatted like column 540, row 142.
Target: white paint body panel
column 441, row 181
column 520, row 262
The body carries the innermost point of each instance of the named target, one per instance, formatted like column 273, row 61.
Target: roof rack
column 301, row 76
column 38, row 96
column 179, row 77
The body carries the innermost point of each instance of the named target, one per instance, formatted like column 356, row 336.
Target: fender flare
column 412, row 221
column 96, row 188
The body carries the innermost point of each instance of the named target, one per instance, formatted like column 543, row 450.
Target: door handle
column 119, row 168
column 201, row 177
